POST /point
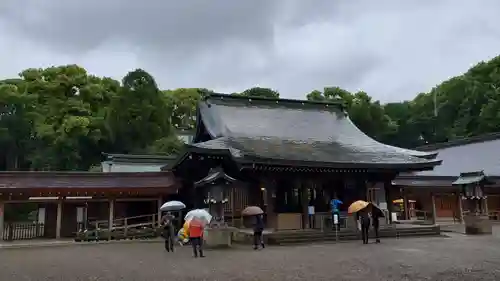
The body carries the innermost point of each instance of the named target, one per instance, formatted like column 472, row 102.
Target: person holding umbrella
column 167, row 222
column 168, row 231
column 196, row 228
column 361, row 209
column 257, row 232
column 198, row 219
column 377, row 213
column 258, row 227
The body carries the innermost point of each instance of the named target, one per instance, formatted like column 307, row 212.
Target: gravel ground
column 457, row 258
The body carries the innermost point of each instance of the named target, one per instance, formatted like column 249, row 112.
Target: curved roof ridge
column 276, row 101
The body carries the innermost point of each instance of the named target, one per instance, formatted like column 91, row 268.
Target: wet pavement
column 459, row 257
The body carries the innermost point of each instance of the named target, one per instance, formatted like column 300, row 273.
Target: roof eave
column 400, row 167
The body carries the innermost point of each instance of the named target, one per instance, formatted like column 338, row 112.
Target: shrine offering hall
column 291, row 158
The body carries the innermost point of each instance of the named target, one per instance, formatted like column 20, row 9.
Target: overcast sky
column 390, row 49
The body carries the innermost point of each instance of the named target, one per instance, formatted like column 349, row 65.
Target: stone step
column 301, row 237
column 303, row 240
column 346, row 232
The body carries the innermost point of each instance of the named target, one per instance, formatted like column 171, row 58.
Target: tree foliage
column 62, row 118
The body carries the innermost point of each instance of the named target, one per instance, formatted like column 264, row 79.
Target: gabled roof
column 470, row 178
column 214, row 175
column 283, row 131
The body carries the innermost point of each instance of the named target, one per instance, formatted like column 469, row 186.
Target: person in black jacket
column 376, row 215
column 364, row 217
column 168, row 231
column 257, row 232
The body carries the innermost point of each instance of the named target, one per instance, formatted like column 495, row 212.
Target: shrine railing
column 23, row 231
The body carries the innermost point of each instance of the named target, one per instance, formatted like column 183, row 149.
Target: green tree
column 68, row 127
column 260, row 92
column 138, row 115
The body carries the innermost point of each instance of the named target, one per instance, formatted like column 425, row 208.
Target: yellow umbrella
column 357, row 206
column 401, row 201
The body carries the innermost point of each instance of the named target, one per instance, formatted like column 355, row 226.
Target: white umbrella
column 199, row 214
column 172, row 206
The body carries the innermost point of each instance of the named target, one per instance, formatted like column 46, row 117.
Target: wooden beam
column 2, row 216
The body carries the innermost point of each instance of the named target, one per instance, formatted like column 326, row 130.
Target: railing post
column 125, row 227
column 111, row 217
column 160, row 203
column 11, row 231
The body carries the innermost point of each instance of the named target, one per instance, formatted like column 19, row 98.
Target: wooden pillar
column 304, row 202
column 460, row 208
column 387, row 188
column 434, row 213
column 160, row 202
column 486, row 211
column 270, row 208
column 59, row 218
column 111, row 217
column 405, row 204
column 2, row 212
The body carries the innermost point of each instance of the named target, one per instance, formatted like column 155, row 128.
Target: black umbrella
column 377, row 211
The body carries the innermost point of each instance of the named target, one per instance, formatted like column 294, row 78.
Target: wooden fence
column 23, row 231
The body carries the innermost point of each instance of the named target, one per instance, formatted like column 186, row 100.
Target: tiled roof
column 300, row 131
column 52, row 180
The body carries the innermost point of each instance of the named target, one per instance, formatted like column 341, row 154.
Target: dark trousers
column 376, row 227
column 365, row 227
column 197, row 243
column 169, row 240
column 257, row 239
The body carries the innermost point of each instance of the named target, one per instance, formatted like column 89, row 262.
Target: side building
column 467, row 181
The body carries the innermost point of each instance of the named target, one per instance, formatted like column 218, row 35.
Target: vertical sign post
column 336, row 223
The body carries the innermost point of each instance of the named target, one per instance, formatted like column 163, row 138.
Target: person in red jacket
column 196, row 228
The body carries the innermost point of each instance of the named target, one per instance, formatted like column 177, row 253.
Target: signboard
column 335, row 219
column 310, row 210
column 394, row 216
column 41, row 215
column 79, row 214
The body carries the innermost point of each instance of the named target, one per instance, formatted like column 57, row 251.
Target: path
column 457, row 258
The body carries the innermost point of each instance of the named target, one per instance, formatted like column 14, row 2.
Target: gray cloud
column 390, row 49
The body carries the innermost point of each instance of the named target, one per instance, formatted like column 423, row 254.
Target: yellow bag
column 185, row 227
